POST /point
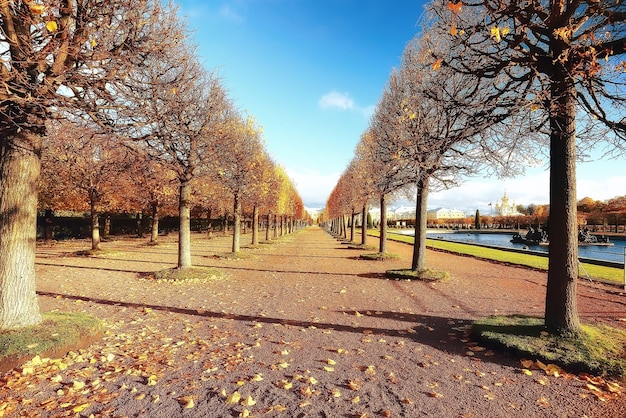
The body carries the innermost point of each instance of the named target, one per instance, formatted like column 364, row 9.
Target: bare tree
column 559, row 62
column 384, row 153
column 58, row 55
column 174, row 112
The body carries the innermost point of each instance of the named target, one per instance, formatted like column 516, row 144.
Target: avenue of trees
column 487, row 86
column 106, row 108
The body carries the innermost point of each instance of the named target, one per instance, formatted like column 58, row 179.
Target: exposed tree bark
column 382, row 245
column 561, row 314
column 209, row 212
column 419, row 246
column 19, row 172
column 352, row 217
column 184, row 228
column 154, row 230
column 236, row 224
column 106, row 231
column 139, row 221
column 364, row 225
column 255, row 225
column 95, row 222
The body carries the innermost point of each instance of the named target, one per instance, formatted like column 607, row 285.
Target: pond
column 614, row 253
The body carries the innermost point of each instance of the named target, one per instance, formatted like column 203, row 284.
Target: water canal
column 614, row 253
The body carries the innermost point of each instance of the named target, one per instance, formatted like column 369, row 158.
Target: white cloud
column 313, row 186
column 334, row 99
column 226, row 12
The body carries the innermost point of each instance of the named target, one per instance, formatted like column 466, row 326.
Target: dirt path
column 300, row 328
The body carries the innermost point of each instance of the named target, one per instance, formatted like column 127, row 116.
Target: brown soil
column 300, row 328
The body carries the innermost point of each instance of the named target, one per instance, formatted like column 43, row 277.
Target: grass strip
column 597, row 349
column 609, row 274
column 57, row 331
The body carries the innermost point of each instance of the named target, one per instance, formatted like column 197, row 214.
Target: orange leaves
column 437, row 64
column 37, row 9
column 455, row 7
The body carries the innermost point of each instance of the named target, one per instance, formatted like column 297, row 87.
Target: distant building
column 443, row 213
column 403, row 212
column 506, row 207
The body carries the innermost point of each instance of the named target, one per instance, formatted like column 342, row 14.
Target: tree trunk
column 352, row 226
column 561, row 313
column 419, row 244
column 208, row 222
column 382, row 245
column 19, row 174
column 364, row 225
column 95, row 222
column 154, row 231
column 236, row 224
column 139, row 221
column 106, row 231
column 184, row 227
column 255, row 225
column 267, row 226
column 49, row 224
column 225, row 225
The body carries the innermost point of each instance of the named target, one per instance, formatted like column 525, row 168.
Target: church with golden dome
column 506, row 207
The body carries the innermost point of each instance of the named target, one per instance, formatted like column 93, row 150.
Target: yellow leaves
column 370, row 370
column 355, row 384
column 257, row 377
column 80, row 408
column 331, row 362
column 187, row 402
column 152, row 380
column 543, row 401
column 52, row 26
column 93, row 43
column 248, row 401
column 527, row 372
column 564, row 33
column 335, row 393
column 284, row 384
column 78, row 385
column 497, row 33
column 233, row 398
column 437, row 64
column 434, row 394
column 329, row 369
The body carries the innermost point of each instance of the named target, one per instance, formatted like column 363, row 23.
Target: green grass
column 610, row 274
column 379, row 256
column 597, row 349
column 426, row 275
column 58, row 331
column 188, row 275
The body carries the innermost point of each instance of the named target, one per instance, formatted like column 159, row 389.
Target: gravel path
column 297, row 328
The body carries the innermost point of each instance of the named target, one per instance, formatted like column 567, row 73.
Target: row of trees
column 112, row 98
column 487, row 85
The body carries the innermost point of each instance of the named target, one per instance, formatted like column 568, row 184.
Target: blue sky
column 311, row 71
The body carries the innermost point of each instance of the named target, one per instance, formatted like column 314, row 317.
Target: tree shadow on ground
column 449, row 335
